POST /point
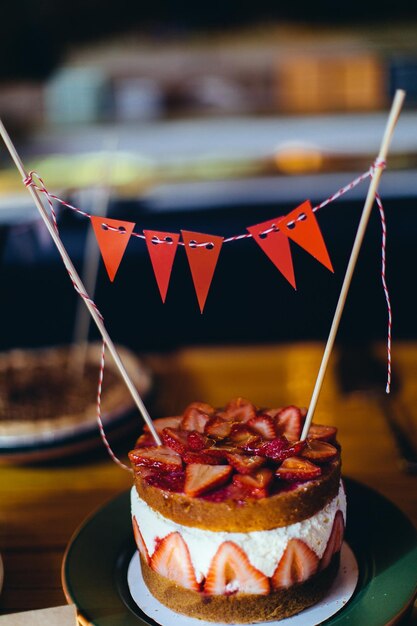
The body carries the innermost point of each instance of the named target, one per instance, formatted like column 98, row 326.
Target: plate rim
column 365, row 561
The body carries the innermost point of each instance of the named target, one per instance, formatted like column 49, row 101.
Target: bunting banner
column 272, row 236
column 302, row 227
column 162, row 247
column 112, row 238
column 202, row 254
column 276, row 246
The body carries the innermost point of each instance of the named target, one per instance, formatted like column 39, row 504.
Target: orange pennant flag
column 202, row 260
column 112, row 238
column 302, row 227
column 162, row 248
column 276, row 246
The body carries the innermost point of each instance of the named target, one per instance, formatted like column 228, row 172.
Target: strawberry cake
column 235, row 518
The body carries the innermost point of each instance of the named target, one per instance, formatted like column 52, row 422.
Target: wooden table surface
column 41, row 506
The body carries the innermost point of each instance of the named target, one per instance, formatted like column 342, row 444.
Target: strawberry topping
column 297, row 564
column 231, row 572
column 172, row 560
column 208, row 451
column 201, row 478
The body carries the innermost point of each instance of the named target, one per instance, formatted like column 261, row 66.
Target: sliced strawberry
column 196, row 415
column 139, row 541
column 176, row 439
column 273, row 412
column 205, row 457
column 240, row 410
column 245, row 464
column 201, row 478
column 280, row 448
column 231, row 572
column 289, row 422
column 295, row 468
column 251, row 444
column 323, row 433
column 263, row 425
column 241, row 433
column 297, row 564
column 335, row 540
column 172, row 560
column 255, row 485
column 165, row 422
column 217, row 428
column 157, row 456
column 145, row 441
column 319, row 451
column 197, row 441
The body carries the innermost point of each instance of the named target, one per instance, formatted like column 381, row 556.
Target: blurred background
column 207, row 117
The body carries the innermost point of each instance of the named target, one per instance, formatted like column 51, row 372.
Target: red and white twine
column 41, row 188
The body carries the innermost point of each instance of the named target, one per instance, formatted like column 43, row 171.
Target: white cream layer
column 264, row 548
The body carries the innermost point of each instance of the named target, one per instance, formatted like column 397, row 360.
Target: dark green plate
column 94, row 572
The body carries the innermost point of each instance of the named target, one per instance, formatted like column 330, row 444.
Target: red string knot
column 379, row 163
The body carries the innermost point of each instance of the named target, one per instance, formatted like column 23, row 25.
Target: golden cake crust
column 241, row 608
column 282, row 509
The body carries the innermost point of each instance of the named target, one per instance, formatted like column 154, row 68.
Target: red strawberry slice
column 263, row 425
column 201, row 478
column 323, row 433
column 165, row 422
column 335, row 540
column 255, row 485
column 196, row 441
column 294, row 469
column 157, row 456
column 239, row 410
column 139, row 541
column 245, row 464
column 172, row 560
column 231, row 572
column 217, row 428
column 273, row 412
column 297, row 564
column 319, row 451
column 289, row 422
column 176, row 439
column 196, row 415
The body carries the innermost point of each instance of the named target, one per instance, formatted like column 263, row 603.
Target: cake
column 236, row 520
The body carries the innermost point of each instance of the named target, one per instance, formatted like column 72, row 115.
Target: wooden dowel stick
column 77, row 281
column 370, row 198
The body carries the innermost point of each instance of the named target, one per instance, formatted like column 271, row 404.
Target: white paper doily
column 337, row 597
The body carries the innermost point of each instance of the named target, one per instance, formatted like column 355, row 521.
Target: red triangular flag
column 202, row 260
column 305, row 231
column 112, row 243
column 276, row 246
column 162, row 256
